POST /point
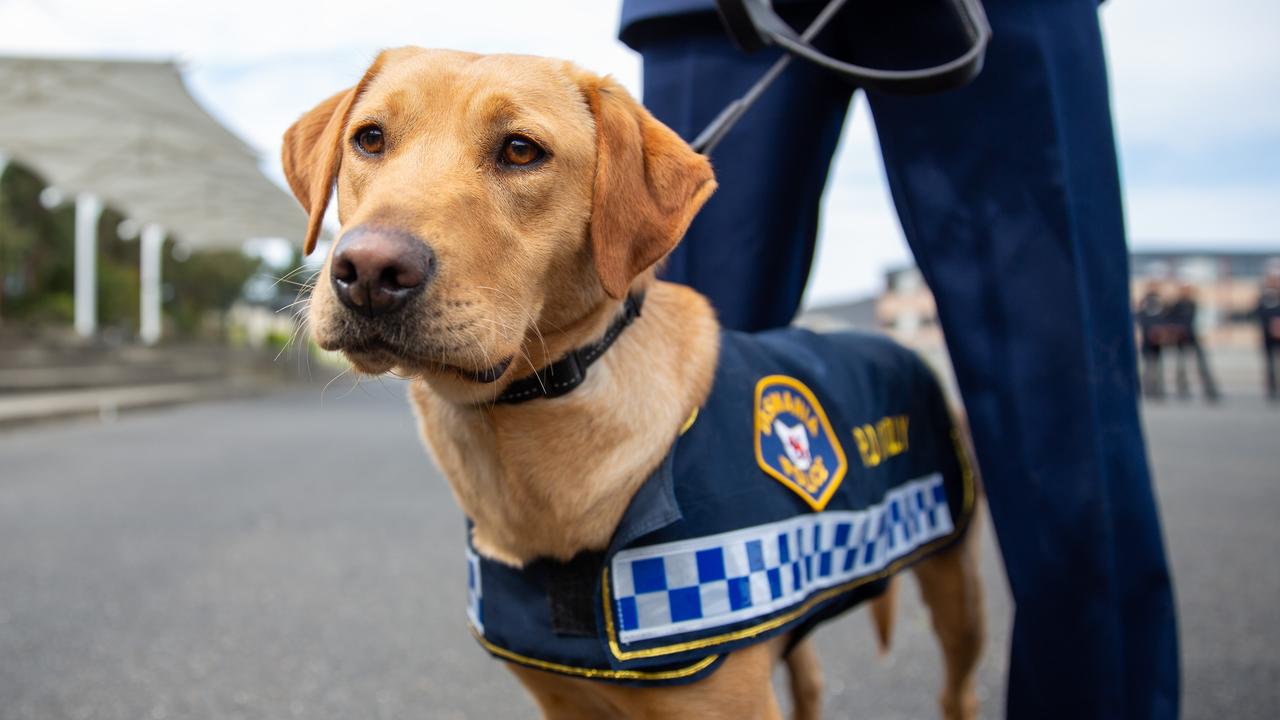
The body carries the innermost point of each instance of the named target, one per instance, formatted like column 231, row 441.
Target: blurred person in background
column 1182, row 318
column 1152, row 316
column 1008, row 192
column 1268, row 312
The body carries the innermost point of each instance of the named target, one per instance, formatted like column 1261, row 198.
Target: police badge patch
column 794, row 440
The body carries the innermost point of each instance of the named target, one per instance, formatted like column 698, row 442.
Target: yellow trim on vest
column 693, row 417
column 780, row 620
column 594, row 672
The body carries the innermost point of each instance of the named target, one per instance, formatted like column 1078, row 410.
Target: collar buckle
column 562, row 376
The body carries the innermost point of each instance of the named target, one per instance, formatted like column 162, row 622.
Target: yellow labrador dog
column 496, row 212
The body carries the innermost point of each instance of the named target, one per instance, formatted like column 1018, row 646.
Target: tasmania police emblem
column 794, row 440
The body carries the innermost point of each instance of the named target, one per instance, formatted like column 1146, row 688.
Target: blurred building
column 1226, row 285
column 125, row 141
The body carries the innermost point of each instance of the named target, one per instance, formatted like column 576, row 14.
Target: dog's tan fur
column 531, row 264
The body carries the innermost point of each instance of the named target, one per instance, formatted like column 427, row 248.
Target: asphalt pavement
column 296, row 555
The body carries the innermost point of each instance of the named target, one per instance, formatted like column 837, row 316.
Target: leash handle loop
column 753, row 25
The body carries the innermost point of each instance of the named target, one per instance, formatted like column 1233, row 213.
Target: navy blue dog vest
column 818, row 466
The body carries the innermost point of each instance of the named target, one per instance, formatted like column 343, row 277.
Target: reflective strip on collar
column 708, row 582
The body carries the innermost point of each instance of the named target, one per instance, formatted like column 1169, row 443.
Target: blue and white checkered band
column 707, row 582
column 474, row 594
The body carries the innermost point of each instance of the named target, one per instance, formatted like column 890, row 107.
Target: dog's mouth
column 376, row 355
column 484, row 376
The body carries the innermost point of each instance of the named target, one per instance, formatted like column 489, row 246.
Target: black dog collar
column 562, row 376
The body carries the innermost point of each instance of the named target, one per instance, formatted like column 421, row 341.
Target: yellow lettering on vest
column 876, row 455
column 864, row 447
column 884, row 433
column 884, row 439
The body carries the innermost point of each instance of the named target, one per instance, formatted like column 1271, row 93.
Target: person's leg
column 1207, row 384
column 1151, row 372
column 750, row 247
column 1145, row 376
column 1180, row 369
column 1152, row 382
column 1009, row 194
column 1269, row 352
column 1158, row 362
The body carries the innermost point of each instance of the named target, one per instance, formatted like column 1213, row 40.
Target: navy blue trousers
column 1009, row 196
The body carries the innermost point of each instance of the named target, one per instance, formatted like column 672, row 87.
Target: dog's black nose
column 377, row 270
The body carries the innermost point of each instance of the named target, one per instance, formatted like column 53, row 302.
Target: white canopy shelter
column 128, row 134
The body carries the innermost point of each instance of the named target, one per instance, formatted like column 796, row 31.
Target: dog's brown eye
column 370, row 140
column 520, row 152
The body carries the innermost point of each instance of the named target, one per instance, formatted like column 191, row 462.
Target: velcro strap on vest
column 571, row 592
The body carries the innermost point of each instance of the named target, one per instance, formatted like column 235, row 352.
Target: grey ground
column 284, row 557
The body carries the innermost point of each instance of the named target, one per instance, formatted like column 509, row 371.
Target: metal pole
column 150, row 252
column 88, row 210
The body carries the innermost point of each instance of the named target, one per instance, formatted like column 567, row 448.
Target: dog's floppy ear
column 312, row 153
column 648, row 186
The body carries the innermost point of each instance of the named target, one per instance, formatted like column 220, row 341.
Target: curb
column 18, row 411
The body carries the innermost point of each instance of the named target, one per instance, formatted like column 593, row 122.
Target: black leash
column 562, row 376
column 753, row 24
column 712, row 134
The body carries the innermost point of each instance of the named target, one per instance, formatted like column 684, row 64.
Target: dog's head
column 484, row 200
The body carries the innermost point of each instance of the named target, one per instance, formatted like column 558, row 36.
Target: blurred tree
column 16, row 241
column 204, row 283
column 36, row 251
column 37, row 267
column 119, row 277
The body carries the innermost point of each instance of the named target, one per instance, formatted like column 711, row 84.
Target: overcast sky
column 1194, row 83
